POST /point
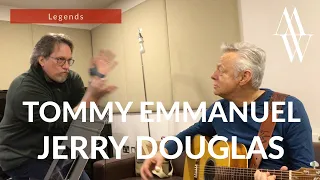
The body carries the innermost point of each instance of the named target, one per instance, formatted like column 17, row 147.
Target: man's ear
column 246, row 77
column 41, row 61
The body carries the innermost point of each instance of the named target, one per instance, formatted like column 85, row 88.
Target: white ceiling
column 59, row 4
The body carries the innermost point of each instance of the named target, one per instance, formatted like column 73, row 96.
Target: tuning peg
column 314, row 164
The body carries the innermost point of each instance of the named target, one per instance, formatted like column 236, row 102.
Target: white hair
column 250, row 57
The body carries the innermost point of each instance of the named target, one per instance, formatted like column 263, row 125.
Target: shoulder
column 292, row 106
column 295, row 113
column 293, row 102
column 289, row 99
column 26, row 87
column 17, row 81
column 23, row 82
column 296, row 108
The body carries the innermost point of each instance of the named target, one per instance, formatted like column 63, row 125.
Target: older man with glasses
column 48, row 79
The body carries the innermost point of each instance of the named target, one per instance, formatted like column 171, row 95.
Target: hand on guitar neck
column 258, row 175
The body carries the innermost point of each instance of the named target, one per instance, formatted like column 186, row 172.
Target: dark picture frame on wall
column 3, row 95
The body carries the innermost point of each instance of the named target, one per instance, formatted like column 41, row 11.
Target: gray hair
column 45, row 46
column 250, row 57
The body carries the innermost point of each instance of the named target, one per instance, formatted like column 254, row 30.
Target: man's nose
column 214, row 75
column 66, row 65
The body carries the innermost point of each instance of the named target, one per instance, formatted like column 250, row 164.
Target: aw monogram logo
column 295, row 37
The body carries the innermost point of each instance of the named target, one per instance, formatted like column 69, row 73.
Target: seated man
column 237, row 79
column 48, row 79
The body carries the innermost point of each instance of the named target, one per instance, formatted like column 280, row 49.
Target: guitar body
column 203, row 168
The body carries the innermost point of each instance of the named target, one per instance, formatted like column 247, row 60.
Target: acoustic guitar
column 209, row 168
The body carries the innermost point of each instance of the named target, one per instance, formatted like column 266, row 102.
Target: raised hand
column 104, row 64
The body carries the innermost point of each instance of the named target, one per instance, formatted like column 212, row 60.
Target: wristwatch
column 94, row 72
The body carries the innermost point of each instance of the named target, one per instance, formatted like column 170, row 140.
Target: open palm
column 104, row 62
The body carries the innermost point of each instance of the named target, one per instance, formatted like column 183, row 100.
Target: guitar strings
column 242, row 172
column 234, row 176
column 286, row 175
column 248, row 171
column 244, row 178
column 252, row 175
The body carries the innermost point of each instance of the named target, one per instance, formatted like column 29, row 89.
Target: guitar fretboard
column 230, row 173
column 243, row 173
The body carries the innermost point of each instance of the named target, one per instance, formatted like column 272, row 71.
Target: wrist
column 89, row 98
column 165, row 152
column 94, row 72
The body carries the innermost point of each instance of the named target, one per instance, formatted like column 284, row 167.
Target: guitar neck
column 247, row 173
column 208, row 167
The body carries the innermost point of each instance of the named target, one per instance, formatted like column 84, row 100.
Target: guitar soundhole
column 209, row 171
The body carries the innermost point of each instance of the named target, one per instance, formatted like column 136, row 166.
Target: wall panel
column 15, row 51
column 196, row 31
column 150, row 16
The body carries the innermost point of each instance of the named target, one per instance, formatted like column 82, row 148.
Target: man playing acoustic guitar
column 237, row 79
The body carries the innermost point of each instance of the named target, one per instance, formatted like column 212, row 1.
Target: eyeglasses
column 62, row 61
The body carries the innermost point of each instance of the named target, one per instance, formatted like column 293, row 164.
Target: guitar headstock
column 308, row 173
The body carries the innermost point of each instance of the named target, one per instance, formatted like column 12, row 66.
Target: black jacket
column 20, row 139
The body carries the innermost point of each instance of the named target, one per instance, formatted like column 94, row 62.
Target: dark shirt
column 21, row 140
column 297, row 136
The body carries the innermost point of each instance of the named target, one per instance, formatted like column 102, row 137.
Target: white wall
column 260, row 20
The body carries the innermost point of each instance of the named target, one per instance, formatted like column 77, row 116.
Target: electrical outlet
column 133, row 150
column 125, row 149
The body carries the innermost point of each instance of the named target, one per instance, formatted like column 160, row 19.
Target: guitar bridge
column 196, row 170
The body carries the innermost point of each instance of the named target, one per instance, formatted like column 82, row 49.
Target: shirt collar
column 43, row 76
